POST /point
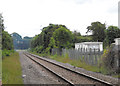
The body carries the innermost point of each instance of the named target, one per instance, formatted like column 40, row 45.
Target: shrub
column 108, row 60
column 39, row 49
column 7, row 52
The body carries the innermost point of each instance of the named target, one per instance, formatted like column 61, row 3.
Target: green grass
column 11, row 70
column 78, row 63
column 116, row 76
column 42, row 55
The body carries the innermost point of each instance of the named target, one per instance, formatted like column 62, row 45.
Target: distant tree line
column 59, row 36
column 102, row 34
column 20, row 43
column 56, row 36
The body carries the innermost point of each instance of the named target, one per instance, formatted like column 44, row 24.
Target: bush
column 47, row 50
column 108, row 60
column 39, row 49
column 7, row 52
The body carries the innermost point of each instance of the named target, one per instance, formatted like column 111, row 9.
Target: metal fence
column 89, row 56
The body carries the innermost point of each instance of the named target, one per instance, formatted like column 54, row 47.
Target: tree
column 44, row 38
column 1, row 23
column 47, row 33
column 76, row 36
column 7, row 42
column 52, row 43
column 76, row 33
column 97, row 30
column 34, row 42
column 111, row 33
column 63, row 38
column 1, row 28
column 20, row 43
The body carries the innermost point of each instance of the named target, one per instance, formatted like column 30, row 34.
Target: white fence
column 91, row 56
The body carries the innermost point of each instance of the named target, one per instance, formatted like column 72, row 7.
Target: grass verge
column 78, row 63
column 11, row 70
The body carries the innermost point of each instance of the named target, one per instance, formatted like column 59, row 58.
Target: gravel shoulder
column 34, row 74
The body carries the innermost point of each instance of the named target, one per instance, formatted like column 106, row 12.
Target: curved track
column 71, row 77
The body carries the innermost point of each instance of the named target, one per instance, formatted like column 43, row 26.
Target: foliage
column 46, row 39
column 76, row 36
column 35, row 41
column 58, row 36
column 63, row 38
column 39, row 49
column 85, row 38
column 1, row 23
column 108, row 60
column 97, row 29
column 52, row 43
column 77, row 63
column 20, row 43
column 11, row 69
column 7, row 42
column 7, row 52
column 111, row 33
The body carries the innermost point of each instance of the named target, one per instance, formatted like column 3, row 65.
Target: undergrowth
column 11, row 70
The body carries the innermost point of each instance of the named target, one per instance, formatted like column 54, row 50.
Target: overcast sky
column 27, row 17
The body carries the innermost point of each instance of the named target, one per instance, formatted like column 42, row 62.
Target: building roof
column 90, row 43
column 117, row 39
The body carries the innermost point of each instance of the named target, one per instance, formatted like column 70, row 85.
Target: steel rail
column 69, row 82
column 83, row 74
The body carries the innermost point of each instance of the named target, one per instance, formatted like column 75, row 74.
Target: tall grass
column 11, row 70
column 78, row 63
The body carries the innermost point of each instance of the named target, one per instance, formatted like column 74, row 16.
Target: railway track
column 73, row 78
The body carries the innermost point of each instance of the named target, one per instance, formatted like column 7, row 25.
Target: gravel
column 96, row 75
column 69, row 75
column 35, row 74
column 81, row 70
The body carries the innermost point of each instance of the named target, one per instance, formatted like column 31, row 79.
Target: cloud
column 83, row 1
column 26, row 16
column 113, row 8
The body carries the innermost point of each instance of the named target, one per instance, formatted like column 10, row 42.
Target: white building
column 117, row 41
column 89, row 45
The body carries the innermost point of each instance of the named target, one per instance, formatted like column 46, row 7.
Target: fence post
column 87, row 55
column 94, row 58
column 99, row 57
column 90, row 56
column 81, row 54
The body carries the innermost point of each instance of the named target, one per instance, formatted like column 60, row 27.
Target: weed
column 11, row 70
